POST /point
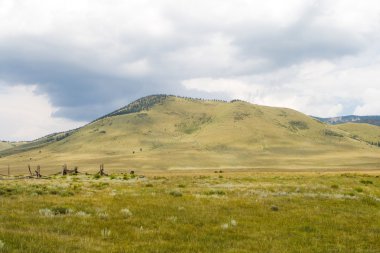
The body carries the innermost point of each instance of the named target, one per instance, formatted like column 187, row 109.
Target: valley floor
column 193, row 212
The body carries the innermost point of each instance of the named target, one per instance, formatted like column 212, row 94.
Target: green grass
column 241, row 212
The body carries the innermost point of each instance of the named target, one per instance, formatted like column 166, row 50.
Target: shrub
column 225, row 226
column 126, row 212
column 46, row 212
column 358, row 189
column 301, row 125
column 215, row 192
column 82, row 214
column 103, row 215
column 105, row 232
column 308, row 229
column 66, row 193
column 274, row 208
column 176, row 193
column 329, row 132
column 60, row 210
column 366, row 182
column 54, row 192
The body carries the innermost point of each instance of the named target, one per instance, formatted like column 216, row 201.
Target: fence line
column 37, row 173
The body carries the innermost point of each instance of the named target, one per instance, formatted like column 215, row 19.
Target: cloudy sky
column 64, row 63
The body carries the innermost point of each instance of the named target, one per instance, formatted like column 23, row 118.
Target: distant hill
column 365, row 132
column 4, row 145
column 372, row 120
column 163, row 132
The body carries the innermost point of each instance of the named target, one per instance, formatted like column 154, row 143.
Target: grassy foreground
column 193, row 212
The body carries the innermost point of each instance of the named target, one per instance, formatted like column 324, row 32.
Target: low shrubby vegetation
column 240, row 212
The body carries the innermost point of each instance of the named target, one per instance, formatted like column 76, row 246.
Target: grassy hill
column 4, row 145
column 366, row 132
column 167, row 132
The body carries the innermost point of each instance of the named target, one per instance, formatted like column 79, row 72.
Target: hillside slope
column 167, row 132
column 5, row 145
column 366, row 132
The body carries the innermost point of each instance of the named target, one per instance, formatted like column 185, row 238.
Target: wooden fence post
column 30, row 170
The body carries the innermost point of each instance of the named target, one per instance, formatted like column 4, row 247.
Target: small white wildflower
column 126, row 212
column 46, row 212
column 105, row 232
column 173, row 219
column 82, row 214
column 181, row 208
column 224, row 226
column 233, row 223
column 103, row 215
column 2, row 244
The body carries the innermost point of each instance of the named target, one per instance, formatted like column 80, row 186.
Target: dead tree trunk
column 38, row 171
column 66, row 171
column 30, row 170
column 101, row 170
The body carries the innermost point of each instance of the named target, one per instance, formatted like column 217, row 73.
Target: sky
column 65, row 63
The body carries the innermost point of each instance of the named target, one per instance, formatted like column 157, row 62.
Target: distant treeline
column 146, row 103
column 374, row 143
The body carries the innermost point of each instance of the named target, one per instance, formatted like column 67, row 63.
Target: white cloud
column 137, row 68
column 25, row 115
column 320, row 57
column 370, row 102
column 320, row 88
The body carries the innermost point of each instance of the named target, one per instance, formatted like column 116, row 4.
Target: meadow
column 193, row 211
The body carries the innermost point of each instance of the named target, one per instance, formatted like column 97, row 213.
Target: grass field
column 193, row 211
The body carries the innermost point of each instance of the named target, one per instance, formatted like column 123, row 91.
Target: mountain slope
column 167, row 132
column 5, row 145
column 366, row 132
column 372, row 120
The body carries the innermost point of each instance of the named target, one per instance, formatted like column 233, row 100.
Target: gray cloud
column 99, row 66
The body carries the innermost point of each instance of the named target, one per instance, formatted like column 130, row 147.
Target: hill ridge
column 169, row 132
